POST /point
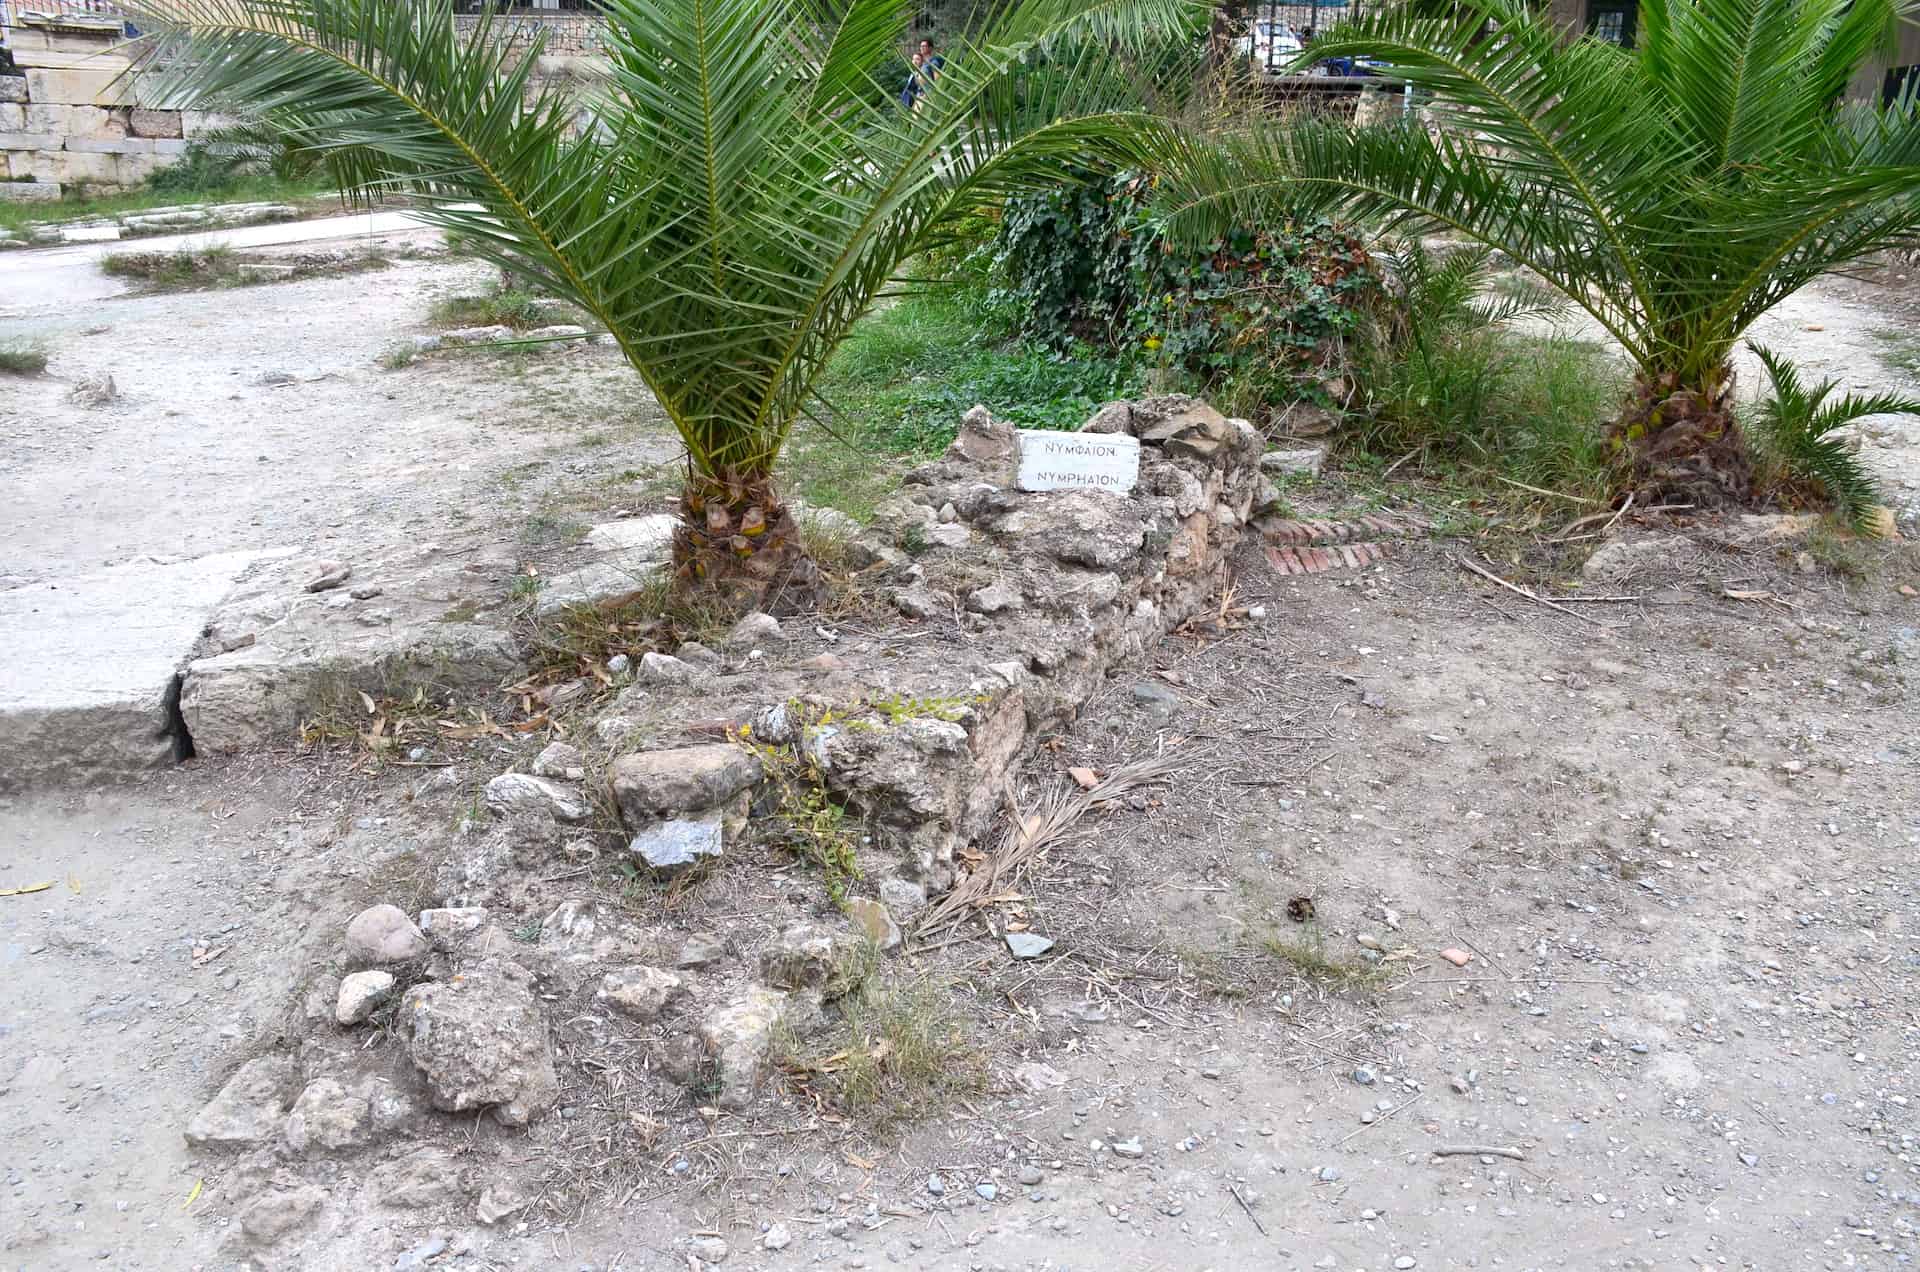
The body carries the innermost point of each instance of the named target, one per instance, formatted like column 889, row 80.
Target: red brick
column 1347, row 555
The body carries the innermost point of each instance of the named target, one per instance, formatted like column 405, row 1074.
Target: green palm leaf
column 747, row 186
column 1676, row 193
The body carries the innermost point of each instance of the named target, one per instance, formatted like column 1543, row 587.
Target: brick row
column 1301, row 533
column 1318, row 560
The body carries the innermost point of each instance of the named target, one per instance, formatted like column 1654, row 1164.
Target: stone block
column 109, row 146
column 18, row 191
column 13, row 88
column 146, row 122
column 47, row 117
column 96, row 56
column 86, row 169
column 28, row 141
column 13, row 118
column 80, row 86
column 95, row 122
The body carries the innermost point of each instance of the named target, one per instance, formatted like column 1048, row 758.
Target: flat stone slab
column 276, row 654
column 627, row 556
column 88, row 684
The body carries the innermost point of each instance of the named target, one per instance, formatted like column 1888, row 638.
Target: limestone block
column 91, row 86
column 28, row 141
column 152, row 123
column 97, row 121
column 49, row 117
column 86, row 169
column 18, row 191
column 109, row 145
column 71, row 61
column 13, row 119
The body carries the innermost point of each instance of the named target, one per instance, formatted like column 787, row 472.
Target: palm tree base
column 1685, row 446
column 739, row 545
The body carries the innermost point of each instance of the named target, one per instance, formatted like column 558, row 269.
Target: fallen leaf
column 21, row 892
column 194, row 1196
column 202, row 959
column 1085, row 778
column 857, row 1160
column 366, row 700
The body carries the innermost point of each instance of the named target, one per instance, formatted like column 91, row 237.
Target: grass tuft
column 1311, row 959
column 21, row 358
column 899, row 1054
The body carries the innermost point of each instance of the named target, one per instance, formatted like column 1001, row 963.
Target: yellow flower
column 1153, row 342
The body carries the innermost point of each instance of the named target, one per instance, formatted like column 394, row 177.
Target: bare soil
column 1674, row 839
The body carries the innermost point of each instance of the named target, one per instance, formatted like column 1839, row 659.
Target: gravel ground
column 1673, row 844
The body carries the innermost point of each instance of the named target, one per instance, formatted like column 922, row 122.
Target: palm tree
column 1675, row 192
column 748, row 182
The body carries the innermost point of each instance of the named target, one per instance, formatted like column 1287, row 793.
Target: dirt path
column 1676, row 843
column 261, row 417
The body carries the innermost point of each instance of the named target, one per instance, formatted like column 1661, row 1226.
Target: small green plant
column 898, row 710
column 810, row 823
column 503, row 307
column 20, row 358
column 1792, row 430
column 527, row 933
column 398, row 357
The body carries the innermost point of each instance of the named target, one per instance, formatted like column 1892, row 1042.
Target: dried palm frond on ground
column 1033, row 833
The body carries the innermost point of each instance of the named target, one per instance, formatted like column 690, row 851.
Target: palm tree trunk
column 1681, row 442
column 737, row 542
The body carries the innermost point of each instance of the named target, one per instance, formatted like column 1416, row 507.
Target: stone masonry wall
column 69, row 118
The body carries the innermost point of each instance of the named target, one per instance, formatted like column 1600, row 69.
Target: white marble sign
column 1076, row 461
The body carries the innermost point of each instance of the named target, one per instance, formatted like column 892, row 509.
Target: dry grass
column 1310, row 958
column 899, row 1053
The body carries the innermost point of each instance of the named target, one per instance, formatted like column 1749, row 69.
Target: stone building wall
column 68, row 118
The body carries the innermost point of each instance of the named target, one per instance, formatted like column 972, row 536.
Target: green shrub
column 1438, row 371
column 1256, row 313
column 17, row 358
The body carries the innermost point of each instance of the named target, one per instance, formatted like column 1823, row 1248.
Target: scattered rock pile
column 1025, row 601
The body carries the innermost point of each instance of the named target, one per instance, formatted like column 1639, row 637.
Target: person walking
column 910, row 92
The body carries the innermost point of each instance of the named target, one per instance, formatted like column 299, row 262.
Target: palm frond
column 747, row 186
column 1793, row 426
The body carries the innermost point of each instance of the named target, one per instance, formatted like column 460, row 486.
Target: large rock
column 328, row 1117
column 426, row 1177
column 510, row 792
column 275, row 1214
column 641, row 992
column 383, row 934
column 738, row 1036
column 627, row 557
column 480, row 1040
column 679, row 842
column 650, row 785
column 251, row 1107
column 90, row 683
